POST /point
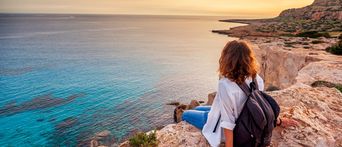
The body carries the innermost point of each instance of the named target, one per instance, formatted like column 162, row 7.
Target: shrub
column 313, row 34
column 317, row 41
column 322, row 84
column 339, row 87
column 327, row 84
column 288, row 35
column 142, row 139
column 340, row 37
column 272, row 88
column 337, row 48
column 289, row 45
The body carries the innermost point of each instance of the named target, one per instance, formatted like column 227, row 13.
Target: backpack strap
column 244, row 87
column 217, row 123
column 255, row 82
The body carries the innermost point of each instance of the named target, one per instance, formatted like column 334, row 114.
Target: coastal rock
column 281, row 68
column 102, row 134
column 316, row 109
column 318, row 10
column 181, row 135
column 173, row 103
column 320, row 16
column 102, row 139
column 319, row 112
column 178, row 135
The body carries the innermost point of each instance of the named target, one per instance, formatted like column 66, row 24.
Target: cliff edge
column 292, row 72
column 318, row 10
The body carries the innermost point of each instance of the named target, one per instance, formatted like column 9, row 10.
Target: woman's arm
column 229, row 137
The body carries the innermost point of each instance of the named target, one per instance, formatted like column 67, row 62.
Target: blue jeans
column 197, row 117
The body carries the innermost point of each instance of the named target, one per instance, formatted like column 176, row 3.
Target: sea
column 66, row 77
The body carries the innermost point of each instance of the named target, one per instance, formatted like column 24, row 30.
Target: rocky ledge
column 290, row 71
column 178, row 135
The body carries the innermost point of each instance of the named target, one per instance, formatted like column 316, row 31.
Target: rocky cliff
column 318, row 10
column 320, row 16
column 294, row 66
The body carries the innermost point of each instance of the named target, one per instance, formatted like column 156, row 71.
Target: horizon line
column 133, row 14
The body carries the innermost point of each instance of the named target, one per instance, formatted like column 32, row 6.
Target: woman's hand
column 287, row 122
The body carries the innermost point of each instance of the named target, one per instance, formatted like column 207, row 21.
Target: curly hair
column 238, row 62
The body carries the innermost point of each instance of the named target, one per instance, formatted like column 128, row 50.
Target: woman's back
column 227, row 106
column 234, row 95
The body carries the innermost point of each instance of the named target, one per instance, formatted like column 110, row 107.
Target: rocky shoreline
column 323, row 16
column 290, row 66
column 292, row 70
column 303, row 78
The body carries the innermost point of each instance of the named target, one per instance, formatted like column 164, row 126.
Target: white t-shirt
column 228, row 102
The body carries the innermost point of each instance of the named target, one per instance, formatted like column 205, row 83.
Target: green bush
column 272, row 88
column 337, row 48
column 340, row 37
column 327, row 84
column 289, row 45
column 142, row 139
column 288, row 35
column 313, row 34
column 317, row 41
column 322, row 84
column 339, row 87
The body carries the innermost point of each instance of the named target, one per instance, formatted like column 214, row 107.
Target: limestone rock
column 283, row 68
column 317, row 109
column 181, row 135
column 319, row 112
column 318, row 10
column 104, row 133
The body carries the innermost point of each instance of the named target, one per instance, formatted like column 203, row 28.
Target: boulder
column 181, row 135
column 319, row 112
column 103, row 134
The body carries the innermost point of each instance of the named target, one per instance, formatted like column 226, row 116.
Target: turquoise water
column 65, row 77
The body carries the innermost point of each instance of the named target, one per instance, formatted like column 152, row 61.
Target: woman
column 237, row 64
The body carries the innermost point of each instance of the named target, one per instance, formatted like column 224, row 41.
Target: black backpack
column 257, row 119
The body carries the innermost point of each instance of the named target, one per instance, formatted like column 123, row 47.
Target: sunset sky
column 245, row 8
